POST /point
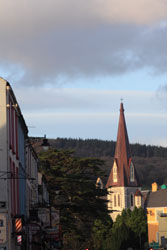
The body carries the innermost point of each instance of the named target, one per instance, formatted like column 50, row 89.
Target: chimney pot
column 154, row 187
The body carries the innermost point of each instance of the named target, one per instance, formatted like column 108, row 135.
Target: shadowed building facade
column 122, row 185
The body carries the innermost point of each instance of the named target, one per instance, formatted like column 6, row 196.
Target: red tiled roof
column 122, row 156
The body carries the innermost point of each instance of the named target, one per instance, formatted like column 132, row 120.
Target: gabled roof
column 157, row 199
column 122, row 156
column 138, row 193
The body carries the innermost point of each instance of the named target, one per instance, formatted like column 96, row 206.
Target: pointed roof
column 122, row 152
column 122, row 158
column 138, row 193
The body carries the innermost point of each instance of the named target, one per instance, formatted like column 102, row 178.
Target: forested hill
column 150, row 161
column 100, row 148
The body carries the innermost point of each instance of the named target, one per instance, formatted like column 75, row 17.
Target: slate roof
column 157, row 199
column 122, row 156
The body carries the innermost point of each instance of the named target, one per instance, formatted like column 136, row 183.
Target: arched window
column 115, row 200
column 131, row 172
column 131, row 200
column 115, row 178
column 138, row 201
column 119, row 201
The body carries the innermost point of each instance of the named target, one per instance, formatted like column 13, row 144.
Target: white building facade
column 14, row 177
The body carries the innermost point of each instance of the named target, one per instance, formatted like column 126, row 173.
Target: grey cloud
column 75, row 41
column 161, row 96
column 80, row 101
column 161, row 93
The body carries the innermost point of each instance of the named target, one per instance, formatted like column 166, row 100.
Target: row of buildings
column 24, row 202
column 124, row 190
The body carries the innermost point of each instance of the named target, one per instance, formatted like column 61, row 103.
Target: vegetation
column 128, row 231
column 71, row 184
column 84, row 215
column 100, row 148
column 150, row 161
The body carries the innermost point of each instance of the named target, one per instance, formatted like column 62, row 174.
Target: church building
column 122, row 185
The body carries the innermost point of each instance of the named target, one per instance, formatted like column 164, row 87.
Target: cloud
column 45, row 40
column 74, row 100
column 31, row 14
column 161, row 95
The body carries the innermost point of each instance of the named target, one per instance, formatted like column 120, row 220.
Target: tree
column 137, row 222
column 100, row 231
column 129, row 230
column 79, row 201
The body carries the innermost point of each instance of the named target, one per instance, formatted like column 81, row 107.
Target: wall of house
column 32, row 177
column 153, row 222
column 4, row 183
column 3, row 146
column 22, row 168
column 162, row 228
column 13, row 175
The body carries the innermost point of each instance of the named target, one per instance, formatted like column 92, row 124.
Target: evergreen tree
column 71, row 184
column 129, row 230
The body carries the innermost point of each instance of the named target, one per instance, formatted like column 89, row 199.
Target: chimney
column 154, row 187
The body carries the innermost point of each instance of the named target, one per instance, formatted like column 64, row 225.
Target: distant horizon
column 84, row 139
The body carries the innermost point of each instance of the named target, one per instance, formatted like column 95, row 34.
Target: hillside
column 150, row 161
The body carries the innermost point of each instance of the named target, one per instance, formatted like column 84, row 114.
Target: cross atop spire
column 122, row 158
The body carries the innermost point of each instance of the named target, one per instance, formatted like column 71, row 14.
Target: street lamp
column 45, row 144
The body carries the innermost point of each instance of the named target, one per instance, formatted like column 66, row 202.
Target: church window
column 119, row 202
column 115, row 179
column 131, row 172
column 115, row 200
column 131, row 200
column 138, row 201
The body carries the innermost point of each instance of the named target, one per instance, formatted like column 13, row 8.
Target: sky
column 70, row 62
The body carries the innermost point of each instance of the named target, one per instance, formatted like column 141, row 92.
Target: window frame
column 115, row 173
column 132, row 174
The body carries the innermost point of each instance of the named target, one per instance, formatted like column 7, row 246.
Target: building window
column 158, row 212
column 131, row 200
column 115, row 173
column 131, row 172
column 138, row 201
column 119, row 201
column 115, row 200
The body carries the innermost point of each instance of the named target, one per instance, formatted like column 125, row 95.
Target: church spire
column 123, row 172
column 122, row 151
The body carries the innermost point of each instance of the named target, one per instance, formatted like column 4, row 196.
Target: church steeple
column 123, row 172
column 122, row 151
